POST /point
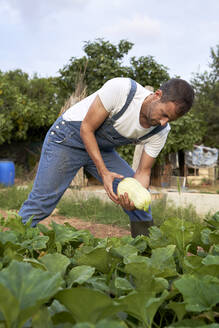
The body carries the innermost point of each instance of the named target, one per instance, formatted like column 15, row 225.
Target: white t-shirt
column 113, row 95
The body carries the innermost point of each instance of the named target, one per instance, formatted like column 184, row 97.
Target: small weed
column 161, row 211
column 20, row 171
column 11, row 198
column 94, row 210
column 206, row 182
column 98, row 211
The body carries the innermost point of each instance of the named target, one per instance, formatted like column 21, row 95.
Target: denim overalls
column 63, row 154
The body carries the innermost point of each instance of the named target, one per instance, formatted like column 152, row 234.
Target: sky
column 40, row 36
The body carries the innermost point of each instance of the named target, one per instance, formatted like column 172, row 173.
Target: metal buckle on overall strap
column 135, row 141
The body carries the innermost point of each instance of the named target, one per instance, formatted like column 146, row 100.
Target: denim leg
column 57, row 167
column 116, row 164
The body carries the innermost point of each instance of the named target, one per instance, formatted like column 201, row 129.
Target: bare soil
column 97, row 229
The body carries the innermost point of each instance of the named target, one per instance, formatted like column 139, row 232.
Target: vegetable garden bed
column 63, row 277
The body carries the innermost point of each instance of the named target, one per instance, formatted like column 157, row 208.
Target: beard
column 149, row 117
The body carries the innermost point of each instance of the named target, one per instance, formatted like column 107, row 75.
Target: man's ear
column 158, row 94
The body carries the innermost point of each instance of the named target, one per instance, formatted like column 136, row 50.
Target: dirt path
column 97, row 229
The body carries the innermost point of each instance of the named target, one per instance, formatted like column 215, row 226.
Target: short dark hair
column 180, row 92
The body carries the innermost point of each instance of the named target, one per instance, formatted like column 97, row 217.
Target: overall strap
column 128, row 100
column 153, row 132
column 121, row 112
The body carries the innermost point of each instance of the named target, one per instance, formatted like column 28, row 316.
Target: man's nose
column 163, row 121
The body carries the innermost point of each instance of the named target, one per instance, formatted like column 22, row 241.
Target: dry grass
column 77, row 95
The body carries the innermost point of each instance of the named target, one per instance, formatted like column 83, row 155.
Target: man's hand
column 108, row 178
column 126, row 203
column 123, row 200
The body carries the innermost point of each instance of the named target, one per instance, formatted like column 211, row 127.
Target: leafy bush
column 28, row 106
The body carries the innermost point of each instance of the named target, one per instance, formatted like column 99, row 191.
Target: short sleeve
column 114, row 93
column 155, row 144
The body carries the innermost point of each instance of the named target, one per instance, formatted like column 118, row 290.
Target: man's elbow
column 85, row 129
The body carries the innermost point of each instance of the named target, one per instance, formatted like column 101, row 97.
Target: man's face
column 159, row 113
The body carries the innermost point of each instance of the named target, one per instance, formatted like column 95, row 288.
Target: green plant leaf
column 98, row 257
column 178, row 308
column 43, row 229
column 214, row 237
column 205, row 236
column 63, row 234
column 36, row 243
column 162, row 261
column 80, row 274
column 199, row 293
column 99, row 283
column 144, row 277
column 102, row 324
column 178, row 232
column 124, row 250
column 190, row 323
column 161, row 264
column 29, row 287
column 201, row 267
column 55, row 263
column 157, row 238
column 143, row 305
column 9, row 305
column 84, row 325
column 192, row 264
column 7, row 237
column 11, row 253
column 105, row 323
column 42, row 319
column 211, row 260
column 87, row 305
column 63, row 320
column 36, row 264
column 123, row 284
column 140, row 242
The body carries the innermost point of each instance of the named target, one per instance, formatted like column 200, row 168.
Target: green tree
column 146, row 71
column 103, row 61
column 27, row 106
column 184, row 134
column 207, row 99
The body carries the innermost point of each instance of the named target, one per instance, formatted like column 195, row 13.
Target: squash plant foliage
column 63, row 277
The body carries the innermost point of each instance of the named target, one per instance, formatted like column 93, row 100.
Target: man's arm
column 143, row 171
column 96, row 115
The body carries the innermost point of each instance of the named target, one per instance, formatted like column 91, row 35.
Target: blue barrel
column 7, row 173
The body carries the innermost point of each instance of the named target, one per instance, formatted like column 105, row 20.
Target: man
column 120, row 113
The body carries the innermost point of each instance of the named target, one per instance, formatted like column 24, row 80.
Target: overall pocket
column 59, row 132
column 57, row 136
